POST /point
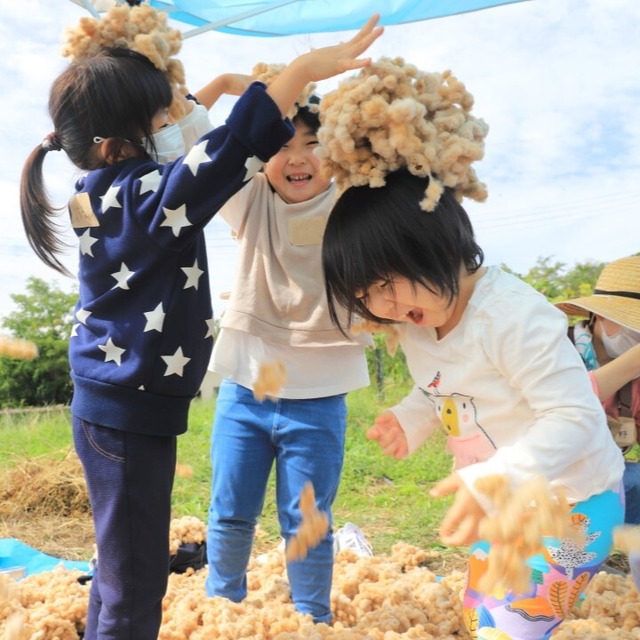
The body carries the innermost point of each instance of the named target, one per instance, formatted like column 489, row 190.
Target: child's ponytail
column 37, row 212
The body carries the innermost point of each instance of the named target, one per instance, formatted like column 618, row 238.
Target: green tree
column 44, row 314
column 556, row 282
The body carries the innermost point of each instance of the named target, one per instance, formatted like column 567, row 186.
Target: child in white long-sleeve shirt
column 493, row 366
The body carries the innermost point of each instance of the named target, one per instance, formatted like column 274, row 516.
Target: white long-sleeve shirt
column 512, row 393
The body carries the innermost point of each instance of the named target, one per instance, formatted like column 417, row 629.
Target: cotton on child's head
column 374, row 234
column 294, row 172
column 114, row 94
column 309, row 115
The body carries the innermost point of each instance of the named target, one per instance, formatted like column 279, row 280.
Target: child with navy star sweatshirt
column 142, row 335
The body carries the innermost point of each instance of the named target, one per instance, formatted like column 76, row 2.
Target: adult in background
column 609, row 343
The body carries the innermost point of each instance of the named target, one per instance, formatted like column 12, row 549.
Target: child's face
column 294, row 171
column 404, row 301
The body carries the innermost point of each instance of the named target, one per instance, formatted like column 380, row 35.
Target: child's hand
column 326, row 62
column 321, row 64
column 460, row 524
column 390, row 435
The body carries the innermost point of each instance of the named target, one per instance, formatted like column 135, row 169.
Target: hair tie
column 51, row 142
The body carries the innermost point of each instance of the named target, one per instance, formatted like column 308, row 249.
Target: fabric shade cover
column 270, row 18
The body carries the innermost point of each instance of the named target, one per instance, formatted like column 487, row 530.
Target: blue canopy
column 290, row 17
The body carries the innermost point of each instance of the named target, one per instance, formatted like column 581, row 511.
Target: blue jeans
column 129, row 478
column 305, row 438
column 631, row 480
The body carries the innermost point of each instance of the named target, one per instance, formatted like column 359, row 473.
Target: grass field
column 388, row 499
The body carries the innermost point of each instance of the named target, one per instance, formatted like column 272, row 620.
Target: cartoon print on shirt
column 457, row 412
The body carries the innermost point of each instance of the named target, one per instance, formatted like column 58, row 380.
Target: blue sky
column 556, row 80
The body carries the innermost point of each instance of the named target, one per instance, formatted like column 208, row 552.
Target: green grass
column 387, row 498
column 34, row 435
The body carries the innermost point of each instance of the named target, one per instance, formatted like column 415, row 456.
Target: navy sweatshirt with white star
column 143, row 328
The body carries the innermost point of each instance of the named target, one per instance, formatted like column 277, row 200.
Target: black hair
column 308, row 116
column 375, row 234
column 112, row 94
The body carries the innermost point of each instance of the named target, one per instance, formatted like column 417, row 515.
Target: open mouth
column 299, row 178
column 416, row 316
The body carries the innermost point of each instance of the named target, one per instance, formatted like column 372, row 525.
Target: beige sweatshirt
column 279, row 289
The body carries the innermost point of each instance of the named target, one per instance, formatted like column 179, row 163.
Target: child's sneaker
column 351, row 537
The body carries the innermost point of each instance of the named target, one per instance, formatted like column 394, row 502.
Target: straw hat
column 616, row 296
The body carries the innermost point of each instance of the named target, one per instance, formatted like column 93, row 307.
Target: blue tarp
column 14, row 553
column 290, row 17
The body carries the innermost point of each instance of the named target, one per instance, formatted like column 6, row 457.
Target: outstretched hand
column 329, row 61
column 323, row 63
column 460, row 524
column 390, row 435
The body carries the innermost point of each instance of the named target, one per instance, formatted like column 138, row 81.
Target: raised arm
column 232, row 84
column 322, row 63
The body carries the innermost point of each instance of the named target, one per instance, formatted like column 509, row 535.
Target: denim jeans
column 631, row 480
column 305, row 439
column 129, row 478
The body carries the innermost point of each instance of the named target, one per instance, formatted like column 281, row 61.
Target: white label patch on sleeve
column 82, row 214
column 304, row 231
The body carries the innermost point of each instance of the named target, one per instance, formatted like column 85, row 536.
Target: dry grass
column 44, row 503
column 61, row 537
column 44, row 486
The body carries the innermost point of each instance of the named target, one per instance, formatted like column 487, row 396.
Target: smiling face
column 405, row 301
column 294, row 171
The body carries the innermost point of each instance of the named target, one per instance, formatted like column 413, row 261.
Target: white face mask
column 194, row 125
column 620, row 342
column 168, row 142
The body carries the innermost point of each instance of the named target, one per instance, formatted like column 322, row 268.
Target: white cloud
column 555, row 79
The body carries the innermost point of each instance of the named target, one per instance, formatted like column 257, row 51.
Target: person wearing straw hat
column 609, row 343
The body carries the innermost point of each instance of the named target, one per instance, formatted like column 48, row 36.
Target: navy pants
column 129, row 478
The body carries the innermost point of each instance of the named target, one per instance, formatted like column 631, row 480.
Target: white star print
column 110, row 199
column 112, row 352
column 74, row 330
column 211, row 328
column 193, row 275
column 175, row 363
column 252, row 165
column 176, row 219
column 196, row 156
column 150, row 182
column 122, row 277
column 86, row 242
column 82, row 315
column 155, row 319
